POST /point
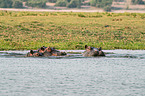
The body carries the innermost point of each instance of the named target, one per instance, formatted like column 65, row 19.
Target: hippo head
column 48, row 49
column 41, row 50
column 88, row 48
column 91, row 51
column 33, row 53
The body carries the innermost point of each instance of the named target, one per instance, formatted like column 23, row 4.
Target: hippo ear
column 42, row 48
column 31, row 51
column 100, row 49
column 49, row 48
column 89, row 47
column 86, row 46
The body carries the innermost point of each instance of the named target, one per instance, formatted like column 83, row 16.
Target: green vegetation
column 138, row 2
column 37, row 4
column 69, row 3
column 69, row 30
column 105, row 4
column 61, row 3
column 17, row 4
column 6, row 3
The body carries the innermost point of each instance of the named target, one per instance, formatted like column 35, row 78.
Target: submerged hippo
column 91, row 51
column 34, row 54
column 45, row 51
column 42, row 49
column 51, row 51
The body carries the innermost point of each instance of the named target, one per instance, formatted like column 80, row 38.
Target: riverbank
column 72, row 10
column 23, row 30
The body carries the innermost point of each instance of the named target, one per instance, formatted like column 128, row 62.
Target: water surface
column 120, row 73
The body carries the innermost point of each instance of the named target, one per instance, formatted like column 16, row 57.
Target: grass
column 70, row 30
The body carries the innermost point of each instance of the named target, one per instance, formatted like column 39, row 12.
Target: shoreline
column 72, row 10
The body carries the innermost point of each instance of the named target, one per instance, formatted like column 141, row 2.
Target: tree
column 93, row 3
column 17, row 4
column 107, row 8
column 38, row 4
column 52, row 1
column 79, row 4
column 105, row 4
column 61, row 3
column 68, row 0
column 74, row 4
column 24, row 0
column 137, row 1
column 6, row 3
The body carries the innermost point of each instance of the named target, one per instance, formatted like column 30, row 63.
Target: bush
column 17, row 4
column 24, row 0
column 68, row 0
column 73, row 4
column 62, row 3
column 6, row 3
column 107, row 8
column 93, row 3
column 105, row 4
column 39, row 4
column 52, row 1
column 137, row 1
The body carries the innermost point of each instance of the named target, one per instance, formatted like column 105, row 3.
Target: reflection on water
column 120, row 73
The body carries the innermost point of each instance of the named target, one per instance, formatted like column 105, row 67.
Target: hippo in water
column 91, row 51
column 51, row 51
column 33, row 54
column 45, row 51
column 42, row 49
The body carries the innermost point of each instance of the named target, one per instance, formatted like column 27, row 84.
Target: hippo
column 45, row 52
column 51, row 51
column 42, row 49
column 91, row 51
column 33, row 53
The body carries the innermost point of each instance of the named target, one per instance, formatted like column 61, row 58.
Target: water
column 120, row 73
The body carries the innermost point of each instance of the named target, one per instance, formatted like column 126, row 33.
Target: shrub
column 72, row 4
column 52, row 1
column 38, row 4
column 93, row 3
column 105, row 4
column 137, row 1
column 17, row 4
column 81, row 15
column 61, row 3
column 107, row 8
column 6, row 3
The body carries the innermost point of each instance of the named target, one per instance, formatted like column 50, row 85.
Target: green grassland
column 70, row 30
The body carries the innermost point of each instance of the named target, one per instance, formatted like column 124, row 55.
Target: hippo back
column 91, row 53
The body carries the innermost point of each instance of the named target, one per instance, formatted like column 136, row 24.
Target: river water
column 120, row 73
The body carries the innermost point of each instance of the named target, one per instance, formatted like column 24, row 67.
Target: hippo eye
column 37, row 54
